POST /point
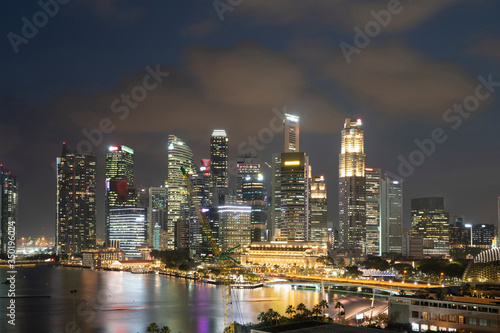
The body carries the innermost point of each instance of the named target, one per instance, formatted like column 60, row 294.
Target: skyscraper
column 352, row 194
column 254, row 194
column 219, row 159
column 291, row 133
column 391, row 216
column 234, row 226
column 157, row 210
column 76, row 202
column 8, row 209
column 246, row 165
column 295, row 174
column 431, row 222
column 178, row 205
column 128, row 227
column 318, row 211
column 373, row 211
column 120, row 191
column 274, row 221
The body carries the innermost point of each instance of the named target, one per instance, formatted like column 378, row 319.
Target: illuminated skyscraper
column 76, row 202
column 219, row 159
column 373, row 211
column 178, row 204
column 255, row 195
column 234, row 226
column 291, row 133
column 128, row 227
column 120, row 191
column 352, row 196
column 391, row 216
column 274, row 221
column 246, row 165
column 318, row 211
column 431, row 222
column 295, row 174
column 8, row 208
column 157, row 210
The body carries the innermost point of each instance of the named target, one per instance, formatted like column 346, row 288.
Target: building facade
column 431, row 222
column 254, row 194
column 234, row 224
column 391, row 216
column 8, row 210
column 318, row 214
column 76, row 202
column 128, row 226
column 219, row 144
column 291, row 133
column 352, row 189
column 373, row 235
column 157, row 210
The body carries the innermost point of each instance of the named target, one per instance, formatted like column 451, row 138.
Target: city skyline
column 203, row 75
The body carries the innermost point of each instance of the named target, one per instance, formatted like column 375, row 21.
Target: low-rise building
column 453, row 314
column 284, row 254
column 101, row 258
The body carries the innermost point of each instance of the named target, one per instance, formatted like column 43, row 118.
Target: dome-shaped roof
column 488, row 256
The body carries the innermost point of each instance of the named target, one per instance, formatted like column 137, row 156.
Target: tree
column 340, row 263
column 165, row 329
column 290, row 311
column 339, row 306
column 324, row 305
column 153, row 328
column 316, row 310
column 353, row 271
column 301, row 307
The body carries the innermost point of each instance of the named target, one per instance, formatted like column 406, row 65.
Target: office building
column 157, row 210
column 219, row 159
column 235, row 224
column 178, row 202
column 254, row 194
column 76, row 202
column 391, row 216
column 431, row 222
column 128, row 226
column 291, row 133
column 246, row 165
column 8, row 210
column 352, row 194
column 120, row 191
column 373, row 176
column 483, row 235
column 274, row 221
column 318, row 212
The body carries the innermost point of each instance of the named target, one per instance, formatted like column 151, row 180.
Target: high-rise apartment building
column 120, row 191
column 318, row 211
column 219, row 159
column 76, row 202
column 373, row 235
column 352, row 194
column 128, row 227
column 391, row 216
column 291, row 133
column 295, row 174
column 157, row 210
column 431, row 222
column 178, row 204
column 8, row 209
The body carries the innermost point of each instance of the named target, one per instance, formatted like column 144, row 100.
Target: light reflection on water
column 124, row 302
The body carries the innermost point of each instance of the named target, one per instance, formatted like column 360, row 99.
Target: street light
column 440, row 278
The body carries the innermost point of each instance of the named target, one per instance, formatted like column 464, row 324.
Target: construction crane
column 223, row 257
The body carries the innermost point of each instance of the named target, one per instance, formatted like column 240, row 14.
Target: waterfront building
column 282, row 253
column 219, row 144
column 391, row 216
column 453, row 314
column 295, row 187
column 352, row 189
column 129, row 227
column 431, row 222
column 484, row 268
column 235, row 225
column 373, row 234
column 318, row 211
column 102, row 258
column 8, row 209
column 120, row 191
column 178, row 202
column 76, row 202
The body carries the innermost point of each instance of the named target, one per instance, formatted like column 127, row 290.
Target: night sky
column 230, row 74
